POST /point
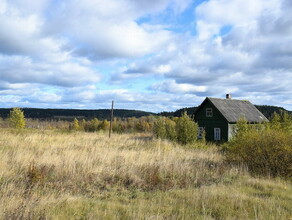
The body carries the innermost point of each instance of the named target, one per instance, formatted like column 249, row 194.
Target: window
column 200, row 132
column 217, row 134
column 209, row 112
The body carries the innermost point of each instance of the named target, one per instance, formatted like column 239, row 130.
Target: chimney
column 228, row 96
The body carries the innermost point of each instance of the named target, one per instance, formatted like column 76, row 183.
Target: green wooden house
column 218, row 117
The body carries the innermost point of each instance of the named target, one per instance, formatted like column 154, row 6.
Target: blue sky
column 153, row 55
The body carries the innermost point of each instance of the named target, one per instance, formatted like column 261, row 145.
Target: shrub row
column 143, row 124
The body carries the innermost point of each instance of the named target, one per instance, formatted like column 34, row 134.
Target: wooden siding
column 209, row 123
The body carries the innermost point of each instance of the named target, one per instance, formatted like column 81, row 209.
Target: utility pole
column 111, row 121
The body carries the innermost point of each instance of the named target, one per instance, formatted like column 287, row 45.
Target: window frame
column 209, row 112
column 200, row 132
column 217, row 134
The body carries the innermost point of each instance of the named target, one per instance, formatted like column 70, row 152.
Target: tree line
column 104, row 114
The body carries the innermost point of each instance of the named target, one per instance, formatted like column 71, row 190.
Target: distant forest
column 101, row 114
column 69, row 114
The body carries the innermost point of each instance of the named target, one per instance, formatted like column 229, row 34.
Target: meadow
column 58, row 174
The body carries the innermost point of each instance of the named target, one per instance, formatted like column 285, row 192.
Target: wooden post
column 111, row 121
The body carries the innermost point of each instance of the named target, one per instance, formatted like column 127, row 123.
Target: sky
column 151, row 55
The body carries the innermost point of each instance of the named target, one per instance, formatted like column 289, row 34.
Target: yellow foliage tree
column 16, row 118
column 75, row 124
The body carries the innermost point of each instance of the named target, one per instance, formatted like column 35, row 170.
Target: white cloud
column 42, row 97
column 19, row 69
column 171, row 86
column 163, row 69
column 108, row 28
column 213, row 15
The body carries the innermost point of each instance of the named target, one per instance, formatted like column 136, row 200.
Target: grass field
column 76, row 175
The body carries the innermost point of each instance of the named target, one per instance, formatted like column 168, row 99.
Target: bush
column 183, row 130
column 186, row 129
column 282, row 121
column 16, row 118
column 92, row 125
column 119, row 126
column 104, row 125
column 82, row 125
column 75, row 125
column 143, row 126
column 241, row 127
column 159, row 128
column 264, row 152
column 170, row 129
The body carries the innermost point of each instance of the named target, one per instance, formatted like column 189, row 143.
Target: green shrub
column 183, row 130
column 264, row 152
column 170, row 129
column 186, row 129
column 131, row 124
column 92, row 125
column 82, row 125
column 159, row 129
column 119, row 126
column 241, row 127
column 16, row 118
column 142, row 126
column 282, row 121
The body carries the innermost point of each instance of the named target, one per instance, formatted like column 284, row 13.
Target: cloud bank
column 83, row 54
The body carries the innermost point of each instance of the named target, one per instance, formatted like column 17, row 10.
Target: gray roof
column 233, row 110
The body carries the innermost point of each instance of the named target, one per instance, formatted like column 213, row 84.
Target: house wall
column 209, row 123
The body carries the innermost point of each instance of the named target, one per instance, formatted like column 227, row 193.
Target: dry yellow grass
column 76, row 175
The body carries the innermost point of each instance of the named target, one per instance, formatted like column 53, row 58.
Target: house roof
column 232, row 110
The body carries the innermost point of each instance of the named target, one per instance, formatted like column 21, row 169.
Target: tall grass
column 76, row 175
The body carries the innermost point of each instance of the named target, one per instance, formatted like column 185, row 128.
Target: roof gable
column 232, row 110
